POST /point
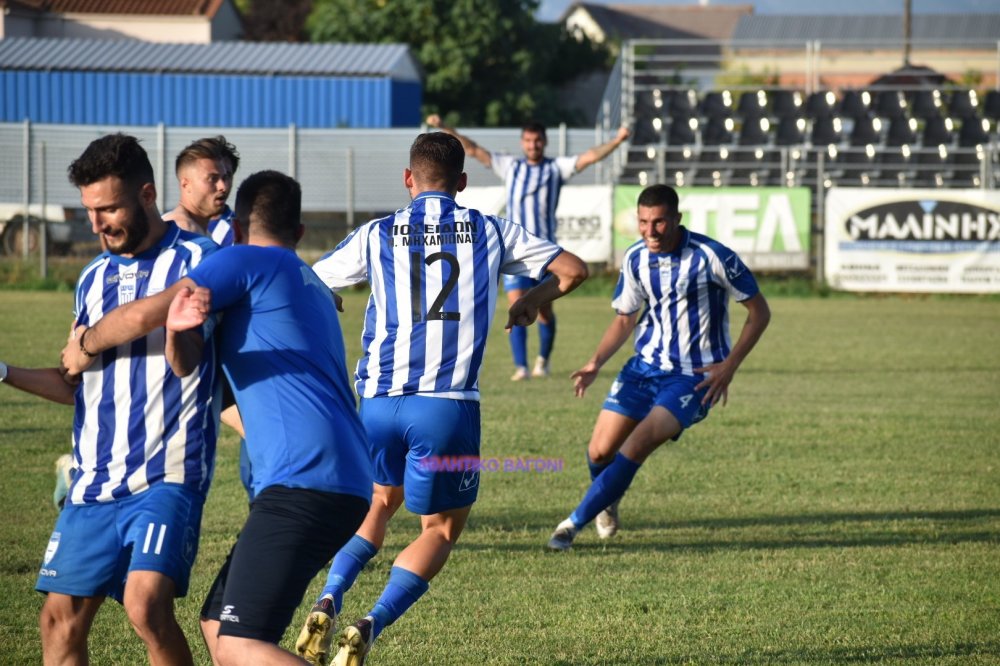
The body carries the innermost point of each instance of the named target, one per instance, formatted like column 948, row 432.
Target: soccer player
column 143, row 439
column 280, row 346
column 205, row 171
column 674, row 292
column 533, row 183
column 434, row 269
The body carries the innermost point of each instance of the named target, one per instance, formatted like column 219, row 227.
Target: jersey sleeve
column 347, row 263
column 223, row 274
column 731, row 273
column 567, row 166
column 629, row 294
column 525, row 254
column 500, row 163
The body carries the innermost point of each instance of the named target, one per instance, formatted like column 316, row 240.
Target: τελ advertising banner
column 583, row 216
column 767, row 226
column 913, row 240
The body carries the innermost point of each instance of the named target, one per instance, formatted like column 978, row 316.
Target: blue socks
column 546, row 337
column 401, row 592
column 596, row 468
column 519, row 345
column 606, row 488
column 347, row 564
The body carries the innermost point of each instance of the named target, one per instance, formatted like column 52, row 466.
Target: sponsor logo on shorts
column 615, row 387
column 227, row 614
column 50, row 550
column 469, row 480
column 48, row 573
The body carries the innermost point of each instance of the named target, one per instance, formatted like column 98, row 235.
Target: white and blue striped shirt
column 220, row 229
column 686, row 296
column 533, row 190
column 434, row 269
column 135, row 423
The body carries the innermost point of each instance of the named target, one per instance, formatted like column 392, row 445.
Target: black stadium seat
column 786, row 104
column 902, row 132
column 717, row 105
column 991, row 105
column 821, row 104
column 682, row 103
column 855, row 103
column 717, row 131
column 925, row 104
column 963, row 104
column 938, row 132
column 891, row 104
column 752, row 105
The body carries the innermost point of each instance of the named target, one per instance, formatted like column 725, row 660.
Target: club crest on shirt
column 734, row 267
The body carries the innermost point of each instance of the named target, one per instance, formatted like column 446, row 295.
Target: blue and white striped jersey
column 434, row 269
column 220, row 229
column 686, row 296
column 135, row 423
column 533, row 190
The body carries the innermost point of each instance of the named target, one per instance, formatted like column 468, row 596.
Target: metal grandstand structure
column 808, row 113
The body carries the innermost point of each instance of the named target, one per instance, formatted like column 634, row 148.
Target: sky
column 552, row 10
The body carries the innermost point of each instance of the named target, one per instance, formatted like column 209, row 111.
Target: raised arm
column 567, row 272
column 46, row 383
column 598, row 153
column 614, row 337
column 719, row 375
column 188, row 311
column 119, row 326
column 472, row 149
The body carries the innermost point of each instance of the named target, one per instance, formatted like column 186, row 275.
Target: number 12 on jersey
column 417, row 287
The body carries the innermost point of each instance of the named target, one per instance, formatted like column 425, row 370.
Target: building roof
column 715, row 22
column 206, row 8
column 393, row 61
column 977, row 28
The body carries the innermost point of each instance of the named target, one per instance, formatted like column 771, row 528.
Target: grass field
column 843, row 508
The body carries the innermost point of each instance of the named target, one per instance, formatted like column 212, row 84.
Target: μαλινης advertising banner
column 767, row 226
column 913, row 240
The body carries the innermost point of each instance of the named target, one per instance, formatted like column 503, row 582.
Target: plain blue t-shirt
column 280, row 344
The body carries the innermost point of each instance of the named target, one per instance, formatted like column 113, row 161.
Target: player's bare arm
column 188, row 311
column 472, row 149
column 719, row 375
column 567, row 273
column 46, row 383
column 121, row 325
column 598, row 153
column 614, row 337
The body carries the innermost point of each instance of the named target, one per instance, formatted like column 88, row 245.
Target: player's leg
column 515, row 286
column 162, row 525
column 610, row 432
column 64, row 624
column 290, row 534
column 546, row 339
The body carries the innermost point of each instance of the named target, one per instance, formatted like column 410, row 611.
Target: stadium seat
column 752, row 105
column 974, row 132
column 682, row 131
column 933, row 165
column 867, row 130
column 786, row 104
column 896, row 166
column 926, row 104
column 792, row 131
column 682, row 103
column 755, row 132
column 855, row 103
column 717, row 131
column 717, row 104
column 963, row 104
column 938, row 131
column 891, row 104
column 821, row 104
column 991, row 106
column 902, row 132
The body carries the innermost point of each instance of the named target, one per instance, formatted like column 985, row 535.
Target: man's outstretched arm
column 472, row 149
column 598, row 153
column 46, row 383
column 567, row 272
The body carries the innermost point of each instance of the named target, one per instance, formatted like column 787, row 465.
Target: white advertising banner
column 583, row 216
column 913, row 240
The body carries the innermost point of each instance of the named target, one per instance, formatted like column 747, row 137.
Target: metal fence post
column 293, row 153
column 43, row 228
column 349, row 184
column 26, row 182
column 820, row 216
column 161, row 165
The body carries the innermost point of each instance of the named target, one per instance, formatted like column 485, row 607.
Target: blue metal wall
column 109, row 98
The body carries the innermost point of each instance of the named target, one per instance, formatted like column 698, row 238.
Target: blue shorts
column 515, row 282
column 639, row 386
column 94, row 546
column 408, row 437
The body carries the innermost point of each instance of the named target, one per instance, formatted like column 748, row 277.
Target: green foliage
column 843, row 508
column 487, row 62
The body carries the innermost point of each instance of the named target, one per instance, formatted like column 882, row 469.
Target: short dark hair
column 211, row 148
column 118, row 155
column 437, row 159
column 273, row 201
column 660, row 195
column 534, row 127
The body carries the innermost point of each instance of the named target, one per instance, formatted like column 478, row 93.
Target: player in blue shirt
column 533, row 184
column 434, row 269
column 281, row 349
column 143, row 439
column 673, row 292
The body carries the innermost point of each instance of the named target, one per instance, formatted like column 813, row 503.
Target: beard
column 133, row 234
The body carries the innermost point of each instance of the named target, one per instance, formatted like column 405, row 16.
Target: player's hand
column 584, row 377
column 717, row 379
column 434, row 120
column 72, row 360
column 623, row 133
column 521, row 313
column 67, row 377
column 189, row 309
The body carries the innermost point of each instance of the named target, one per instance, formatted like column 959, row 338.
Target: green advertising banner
column 767, row 226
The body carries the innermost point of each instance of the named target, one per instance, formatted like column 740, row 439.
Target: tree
column 487, row 62
column 268, row 21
